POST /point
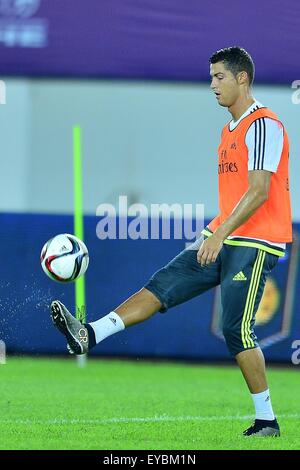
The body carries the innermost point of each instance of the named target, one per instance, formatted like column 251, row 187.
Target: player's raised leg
column 180, row 280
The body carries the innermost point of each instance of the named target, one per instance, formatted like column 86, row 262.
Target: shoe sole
column 262, row 433
column 61, row 324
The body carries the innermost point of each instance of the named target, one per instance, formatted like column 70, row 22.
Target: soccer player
column 238, row 248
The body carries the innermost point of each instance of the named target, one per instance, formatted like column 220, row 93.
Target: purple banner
column 146, row 39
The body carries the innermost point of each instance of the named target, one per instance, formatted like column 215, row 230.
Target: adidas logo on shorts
column 239, row 277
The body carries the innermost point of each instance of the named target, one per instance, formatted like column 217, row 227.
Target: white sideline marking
column 153, row 419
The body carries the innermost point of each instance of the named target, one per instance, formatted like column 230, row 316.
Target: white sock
column 263, row 405
column 107, row 326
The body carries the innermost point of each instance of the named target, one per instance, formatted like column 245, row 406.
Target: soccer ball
column 64, row 258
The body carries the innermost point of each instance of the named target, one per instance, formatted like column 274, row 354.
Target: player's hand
column 209, row 250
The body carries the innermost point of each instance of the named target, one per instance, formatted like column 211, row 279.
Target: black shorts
column 240, row 271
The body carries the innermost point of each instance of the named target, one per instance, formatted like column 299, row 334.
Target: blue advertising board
column 117, row 269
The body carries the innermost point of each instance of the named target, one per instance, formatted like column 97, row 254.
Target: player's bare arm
column 257, row 194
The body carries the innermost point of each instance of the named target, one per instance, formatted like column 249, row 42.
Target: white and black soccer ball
column 64, row 258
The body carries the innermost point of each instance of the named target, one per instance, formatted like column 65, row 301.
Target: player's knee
column 237, row 341
column 233, row 339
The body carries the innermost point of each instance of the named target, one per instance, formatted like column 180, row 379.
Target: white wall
column 15, row 143
column 154, row 142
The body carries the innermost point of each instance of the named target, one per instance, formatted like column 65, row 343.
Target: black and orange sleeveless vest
column 272, row 221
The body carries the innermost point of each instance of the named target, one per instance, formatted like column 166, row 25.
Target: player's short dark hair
column 235, row 59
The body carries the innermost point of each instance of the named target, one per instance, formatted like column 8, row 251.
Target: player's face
column 223, row 84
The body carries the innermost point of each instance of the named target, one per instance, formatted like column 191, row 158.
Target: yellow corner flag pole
column 78, row 227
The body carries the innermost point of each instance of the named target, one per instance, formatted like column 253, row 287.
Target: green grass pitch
column 109, row 404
